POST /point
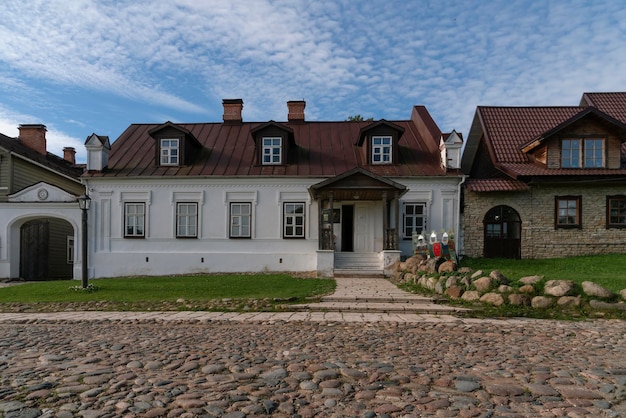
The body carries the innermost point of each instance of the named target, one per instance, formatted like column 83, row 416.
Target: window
column 616, row 211
column 134, row 220
column 381, row 150
column 568, row 210
column 293, row 223
column 578, row 153
column 240, row 217
column 70, row 250
column 186, row 220
column 414, row 219
column 169, row 151
column 272, row 150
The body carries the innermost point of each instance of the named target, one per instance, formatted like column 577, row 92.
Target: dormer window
column 169, row 151
column 582, row 153
column 272, row 150
column 381, row 149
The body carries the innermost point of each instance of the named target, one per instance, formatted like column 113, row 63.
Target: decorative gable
column 589, row 139
column 41, row 192
column 175, row 145
column 381, row 142
column 357, row 184
column 273, row 143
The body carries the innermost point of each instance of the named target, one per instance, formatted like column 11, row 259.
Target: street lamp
column 83, row 203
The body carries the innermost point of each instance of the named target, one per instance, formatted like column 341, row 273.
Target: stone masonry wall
column 539, row 237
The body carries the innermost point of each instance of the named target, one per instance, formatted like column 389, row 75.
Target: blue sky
column 83, row 66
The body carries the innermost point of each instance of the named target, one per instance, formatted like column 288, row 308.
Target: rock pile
column 443, row 277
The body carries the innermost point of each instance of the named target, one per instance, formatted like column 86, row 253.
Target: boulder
column 598, row 304
column 430, row 283
column 565, row 301
column 477, row 274
column 452, row 281
column 517, row 299
column 454, row 291
column 503, row 288
column 470, row 296
column 465, row 270
column 593, row 289
column 402, row 266
column 466, row 282
column 398, row 277
column 531, row 279
column 440, row 285
column 541, row 302
column 559, row 288
column 498, row 277
column 412, row 264
column 527, row 289
column 622, row 293
column 483, row 284
column 494, row 299
column 447, row 267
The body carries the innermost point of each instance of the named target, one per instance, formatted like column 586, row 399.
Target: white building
column 293, row 196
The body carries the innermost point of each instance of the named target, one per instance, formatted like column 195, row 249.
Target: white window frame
column 413, row 216
column 272, row 150
column 169, row 151
column 238, row 221
column 186, row 221
column 382, row 149
column 291, row 218
column 137, row 219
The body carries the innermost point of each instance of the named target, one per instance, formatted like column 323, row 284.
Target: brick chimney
column 296, row 110
column 34, row 137
column 69, row 155
column 232, row 110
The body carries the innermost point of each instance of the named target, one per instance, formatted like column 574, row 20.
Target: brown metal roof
column 323, row 149
column 613, row 104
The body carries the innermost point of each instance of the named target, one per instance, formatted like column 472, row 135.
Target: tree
column 359, row 118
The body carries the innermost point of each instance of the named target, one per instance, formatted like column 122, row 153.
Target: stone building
column 546, row 181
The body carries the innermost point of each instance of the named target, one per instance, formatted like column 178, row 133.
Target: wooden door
column 502, row 226
column 34, row 238
column 362, row 228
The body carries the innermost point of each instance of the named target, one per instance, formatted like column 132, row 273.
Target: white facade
column 40, row 201
column 159, row 252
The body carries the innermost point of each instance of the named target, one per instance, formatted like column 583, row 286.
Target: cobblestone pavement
column 240, row 366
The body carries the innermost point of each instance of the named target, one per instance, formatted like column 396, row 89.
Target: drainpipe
column 458, row 221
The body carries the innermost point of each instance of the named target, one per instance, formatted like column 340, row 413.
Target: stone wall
column 536, row 208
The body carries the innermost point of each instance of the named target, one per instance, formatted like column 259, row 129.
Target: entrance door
column 363, row 228
column 503, row 229
column 34, row 238
column 347, row 228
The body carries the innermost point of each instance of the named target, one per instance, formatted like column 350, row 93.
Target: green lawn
column 608, row 270
column 159, row 289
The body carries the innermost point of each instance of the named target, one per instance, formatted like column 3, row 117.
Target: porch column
column 396, row 200
column 386, row 222
column 331, row 235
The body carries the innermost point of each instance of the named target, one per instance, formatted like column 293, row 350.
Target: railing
column 391, row 239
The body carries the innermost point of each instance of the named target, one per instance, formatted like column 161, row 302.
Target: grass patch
column 154, row 290
column 605, row 270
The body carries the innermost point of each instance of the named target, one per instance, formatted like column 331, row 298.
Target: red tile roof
column 495, row 185
column 506, row 130
column 323, row 149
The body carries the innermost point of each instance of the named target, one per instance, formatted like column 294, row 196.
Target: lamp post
column 83, row 203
